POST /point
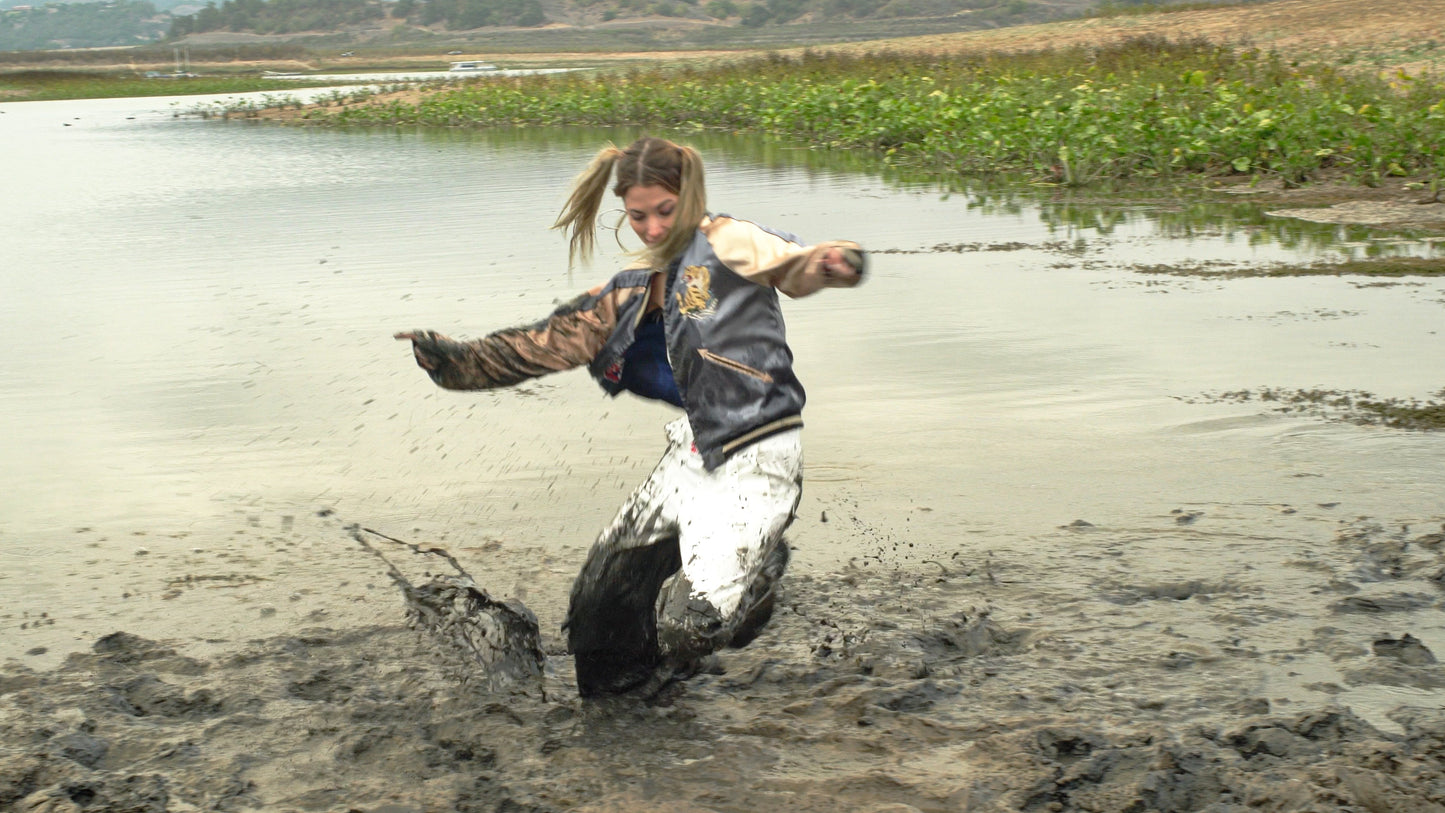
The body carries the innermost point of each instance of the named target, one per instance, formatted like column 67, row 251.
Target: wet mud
column 1376, row 267
column 1071, row 677
column 495, row 642
column 1353, row 406
column 1423, row 210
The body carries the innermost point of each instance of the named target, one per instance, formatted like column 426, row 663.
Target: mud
column 1065, row 678
column 960, row 248
column 1424, row 210
column 495, row 642
column 1354, row 406
column 1388, row 267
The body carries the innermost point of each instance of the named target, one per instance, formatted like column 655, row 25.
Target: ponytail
column 578, row 219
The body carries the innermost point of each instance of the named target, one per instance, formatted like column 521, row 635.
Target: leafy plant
column 1148, row 108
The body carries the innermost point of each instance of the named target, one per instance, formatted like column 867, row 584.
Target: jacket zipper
column 724, row 361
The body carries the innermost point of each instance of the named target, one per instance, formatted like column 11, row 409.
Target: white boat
column 469, row 67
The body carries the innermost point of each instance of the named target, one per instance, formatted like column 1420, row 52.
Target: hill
column 522, row 24
column 1361, row 33
column 1409, row 36
column 368, row 20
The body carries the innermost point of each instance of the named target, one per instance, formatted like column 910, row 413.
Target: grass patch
column 1371, row 267
column 1110, row 8
column 1353, row 406
column 1149, row 108
column 43, row 85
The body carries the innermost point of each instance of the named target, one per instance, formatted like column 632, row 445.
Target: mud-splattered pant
column 713, row 538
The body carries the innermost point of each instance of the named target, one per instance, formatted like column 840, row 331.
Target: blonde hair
column 648, row 161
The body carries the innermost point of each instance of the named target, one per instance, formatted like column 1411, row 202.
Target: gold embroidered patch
column 696, row 299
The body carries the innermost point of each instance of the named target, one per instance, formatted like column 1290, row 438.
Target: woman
column 694, row 322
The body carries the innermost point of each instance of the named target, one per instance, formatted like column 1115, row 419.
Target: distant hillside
column 610, row 24
column 296, row 16
column 80, row 25
column 282, row 17
column 1359, row 34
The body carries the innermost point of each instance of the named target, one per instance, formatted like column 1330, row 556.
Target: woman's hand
column 842, row 267
column 424, row 359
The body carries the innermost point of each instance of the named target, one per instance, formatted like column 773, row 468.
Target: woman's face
column 650, row 210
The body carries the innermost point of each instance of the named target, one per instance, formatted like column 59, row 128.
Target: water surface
column 198, row 315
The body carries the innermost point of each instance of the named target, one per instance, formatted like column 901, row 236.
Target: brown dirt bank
column 1392, row 203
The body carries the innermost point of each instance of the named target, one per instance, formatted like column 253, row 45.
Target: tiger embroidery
column 695, row 300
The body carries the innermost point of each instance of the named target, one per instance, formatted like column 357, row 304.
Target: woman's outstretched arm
column 570, row 337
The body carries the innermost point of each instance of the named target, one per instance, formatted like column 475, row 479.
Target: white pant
column 725, row 520
column 716, row 535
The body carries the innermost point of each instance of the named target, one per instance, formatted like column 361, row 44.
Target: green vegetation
column 77, row 25
column 294, row 16
column 251, row 108
column 215, row 55
column 277, row 16
column 1353, row 406
column 463, row 14
column 48, row 85
column 1138, row 8
column 1146, row 109
column 1386, row 266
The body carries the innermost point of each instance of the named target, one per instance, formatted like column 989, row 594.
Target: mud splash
column 890, row 685
column 495, row 642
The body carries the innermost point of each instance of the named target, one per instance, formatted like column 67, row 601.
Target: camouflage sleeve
column 568, row 338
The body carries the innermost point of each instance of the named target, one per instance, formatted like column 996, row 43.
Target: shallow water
column 419, row 76
column 198, row 319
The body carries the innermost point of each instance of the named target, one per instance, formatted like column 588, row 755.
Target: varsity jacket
column 724, row 328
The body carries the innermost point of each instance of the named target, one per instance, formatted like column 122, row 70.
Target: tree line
column 80, row 25
column 292, row 16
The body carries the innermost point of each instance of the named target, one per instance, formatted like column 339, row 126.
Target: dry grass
column 1408, row 34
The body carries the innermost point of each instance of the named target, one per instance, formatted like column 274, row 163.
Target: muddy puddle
column 1049, row 555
